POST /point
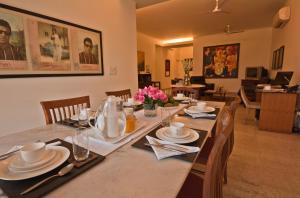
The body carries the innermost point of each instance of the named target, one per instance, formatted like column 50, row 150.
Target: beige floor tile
column 263, row 164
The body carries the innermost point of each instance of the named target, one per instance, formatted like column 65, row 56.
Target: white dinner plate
column 191, row 138
column 135, row 103
column 195, row 109
column 62, row 154
column 180, row 98
column 167, row 132
column 17, row 164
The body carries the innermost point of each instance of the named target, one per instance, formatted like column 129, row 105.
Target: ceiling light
column 179, row 40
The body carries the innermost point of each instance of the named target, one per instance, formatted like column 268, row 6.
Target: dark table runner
column 14, row 188
column 72, row 123
column 186, row 157
column 217, row 111
column 135, row 107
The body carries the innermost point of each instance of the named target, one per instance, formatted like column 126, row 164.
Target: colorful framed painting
column 221, row 61
column 167, row 67
column 35, row 45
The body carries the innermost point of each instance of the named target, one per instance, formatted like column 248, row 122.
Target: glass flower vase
column 150, row 110
column 187, row 78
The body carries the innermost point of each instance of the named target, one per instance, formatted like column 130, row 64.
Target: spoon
column 62, row 172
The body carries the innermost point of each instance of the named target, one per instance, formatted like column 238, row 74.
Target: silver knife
column 170, row 145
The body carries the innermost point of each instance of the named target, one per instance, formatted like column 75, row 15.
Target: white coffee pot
column 110, row 120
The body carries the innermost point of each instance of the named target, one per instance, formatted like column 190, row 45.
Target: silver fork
column 177, row 147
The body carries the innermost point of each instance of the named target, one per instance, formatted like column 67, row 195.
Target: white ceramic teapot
column 111, row 120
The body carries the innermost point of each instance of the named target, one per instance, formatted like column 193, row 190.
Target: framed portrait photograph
column 35, row 45
column 221, row 61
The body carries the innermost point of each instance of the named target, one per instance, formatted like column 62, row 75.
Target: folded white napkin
column 163, row 153
column 96, row 145
column 199, row 115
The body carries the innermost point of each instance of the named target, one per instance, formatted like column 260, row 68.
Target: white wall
column 20, row 98
column 156, row 55
column 147, row 44
column 289, row 36
column 255, row 48
column 184, row 52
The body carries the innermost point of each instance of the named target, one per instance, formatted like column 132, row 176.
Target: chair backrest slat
column 55, row 110
column 185, row 91
column 124, row 94
column 244, row 97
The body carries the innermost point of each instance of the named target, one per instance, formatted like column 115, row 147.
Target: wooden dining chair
column 224, row 120
column 186, row 91
column 210, row 184
column 248, row 104
column 124, row 94
column 232, row 109
column 58, row 110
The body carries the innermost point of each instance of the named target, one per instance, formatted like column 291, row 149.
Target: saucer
column 19, row 165
column 180, row 98
column 62, row 154
column 135, row 103
column 195, row 109
column 167, row 132
column 191, row 138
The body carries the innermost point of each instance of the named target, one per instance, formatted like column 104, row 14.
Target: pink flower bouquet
column 150, row 96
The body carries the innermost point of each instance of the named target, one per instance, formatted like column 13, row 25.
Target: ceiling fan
column 218, row 8
column 228, row 30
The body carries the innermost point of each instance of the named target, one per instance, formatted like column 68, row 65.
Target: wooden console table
column 277, row 111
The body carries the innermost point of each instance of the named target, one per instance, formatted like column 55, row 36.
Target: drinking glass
column 80, row 145
column 165, row 117
column 192, row 97
column 83, row 116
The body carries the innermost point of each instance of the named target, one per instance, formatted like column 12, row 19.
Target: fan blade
column 222, row 3
column 237, row 31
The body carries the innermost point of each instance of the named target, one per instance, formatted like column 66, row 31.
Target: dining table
column 126, row 171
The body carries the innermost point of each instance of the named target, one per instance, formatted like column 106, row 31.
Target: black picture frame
column 281, row 56
column 77, row 68
column 274, row 60
column 277, row 61
column 167, row 68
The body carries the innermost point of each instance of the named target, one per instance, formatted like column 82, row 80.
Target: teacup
column 130, row 101
column 267, row 87
column 176, row 129
column 180, row 95
column 33, row 152
column 201, row 105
